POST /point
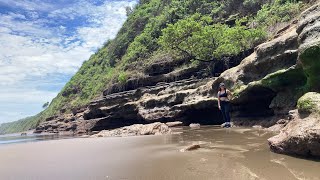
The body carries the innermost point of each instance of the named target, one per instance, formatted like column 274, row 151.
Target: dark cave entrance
column 207, row 116
column 206, row 113
column 255, row 103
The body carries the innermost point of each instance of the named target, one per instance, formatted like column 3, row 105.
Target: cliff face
column 267, row 82
column 301, row 136
column 189, row 100
column 136, row 58
column 132, row 79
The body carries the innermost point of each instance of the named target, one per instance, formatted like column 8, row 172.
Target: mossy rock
column 309, row 103
column 287, row 85
column 291, row 78
column 310, row 59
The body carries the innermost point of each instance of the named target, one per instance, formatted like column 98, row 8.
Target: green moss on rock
column 309, row 103
column 293, row 78
column 310, row 59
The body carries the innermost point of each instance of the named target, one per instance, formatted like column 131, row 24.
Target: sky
column 44, row 42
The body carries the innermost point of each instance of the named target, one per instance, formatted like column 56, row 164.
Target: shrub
column 196, row 38
column 278, row 11
column 123, row 77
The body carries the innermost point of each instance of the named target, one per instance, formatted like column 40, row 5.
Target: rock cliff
column 267, row 83
column 301, row 136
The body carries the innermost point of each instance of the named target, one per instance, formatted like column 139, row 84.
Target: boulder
column 309, row 103
column 301, row 136
column 224, row 124
column 194, row 125
column 136, row 130
column 174, row 124
column 191, row 148
column 257, row 127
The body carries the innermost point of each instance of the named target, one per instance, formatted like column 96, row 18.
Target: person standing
column 224, row 96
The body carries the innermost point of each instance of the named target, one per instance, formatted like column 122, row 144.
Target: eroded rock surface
column 165, row 102
column 301, row 136
column 136, row 130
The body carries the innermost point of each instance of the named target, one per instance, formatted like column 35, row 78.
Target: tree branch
column 193, row 56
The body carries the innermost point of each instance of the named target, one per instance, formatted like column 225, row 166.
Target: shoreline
column 151, row 157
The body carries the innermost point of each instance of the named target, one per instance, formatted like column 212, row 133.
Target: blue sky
column 43, row 43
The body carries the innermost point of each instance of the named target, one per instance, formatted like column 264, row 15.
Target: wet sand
column 224, row 154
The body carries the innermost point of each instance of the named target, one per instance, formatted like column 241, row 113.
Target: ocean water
column 18, row 138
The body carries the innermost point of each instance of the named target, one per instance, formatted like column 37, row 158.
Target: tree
column 45, row 105
column 129, row 10
column 198, row 39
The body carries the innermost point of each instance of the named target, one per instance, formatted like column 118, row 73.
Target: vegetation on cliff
column 190, row 30
column 18, row 126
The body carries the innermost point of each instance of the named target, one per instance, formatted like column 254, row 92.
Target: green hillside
column 193, row 30
column 19, row 126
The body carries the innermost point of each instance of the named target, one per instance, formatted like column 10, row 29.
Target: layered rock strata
column 266, row 83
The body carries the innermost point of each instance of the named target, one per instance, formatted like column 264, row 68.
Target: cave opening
column 255, row 103
column 210, row 115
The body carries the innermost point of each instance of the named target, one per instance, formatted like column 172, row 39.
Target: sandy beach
column 152, row 157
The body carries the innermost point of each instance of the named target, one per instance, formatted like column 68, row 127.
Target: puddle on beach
column 235, row 153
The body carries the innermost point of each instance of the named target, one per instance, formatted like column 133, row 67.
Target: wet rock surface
column 191, row 148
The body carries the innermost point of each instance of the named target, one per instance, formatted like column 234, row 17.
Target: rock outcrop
column 136, row 130
column 309, row 45
column 190, row 148
column 301, row 136
column 165, row 102
column 262, row 85
column 266, row 83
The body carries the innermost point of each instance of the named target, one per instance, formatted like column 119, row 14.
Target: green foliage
column 278, row 11
column 45, row 105
column 123, row 77
column 18, row 126
column 197, row 38
column 134, row 26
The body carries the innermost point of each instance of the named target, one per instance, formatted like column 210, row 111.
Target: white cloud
column 37, row 5
column 24, row 95
column 31, row 48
